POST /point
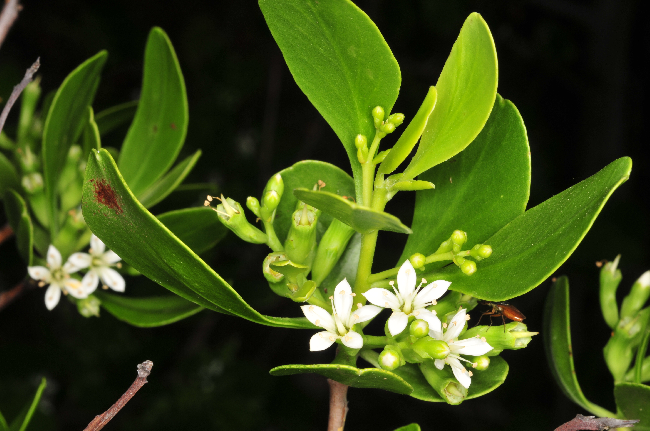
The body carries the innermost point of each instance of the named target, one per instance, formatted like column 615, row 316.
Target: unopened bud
column 610, row 278
column 254, row 205
column 360, row 141
column 431, row 348
column 419, row 328
column 390, row 358
column 271, row 201
column 387, row 128
column 89, row 307
column 330, row 249
column 417, row 260
column 482, row 362
column 637, row 297
column 378, row 116
column 481, row 251
column 396, row 119
column 513, row 336
column 468, row 267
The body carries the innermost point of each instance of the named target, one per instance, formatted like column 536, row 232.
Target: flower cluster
column 98, row 263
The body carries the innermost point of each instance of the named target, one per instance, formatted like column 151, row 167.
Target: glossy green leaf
column 633, row 400
column 341, row 62
column 480, row 190
column 160, row 124
column 410, row 427
column 483, row 382
column 148, row 312
column 307, row 174
column 9, row 178
column 361, row 219
column 65, row 121
column 198, row 228
column 410, row 136
column 531, row 247
column 115, row 116
column 466, row 88
column 21, row 222
column 559, row 351
column 90, row 138
column 127, row 228
column 351, row 376
column 165, row 185
column 21, row 422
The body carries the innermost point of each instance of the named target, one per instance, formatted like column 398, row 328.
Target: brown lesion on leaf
column 105, row 195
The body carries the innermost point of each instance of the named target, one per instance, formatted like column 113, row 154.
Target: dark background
column 575, row 69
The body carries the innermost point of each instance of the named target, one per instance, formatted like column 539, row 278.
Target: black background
column 576, row 70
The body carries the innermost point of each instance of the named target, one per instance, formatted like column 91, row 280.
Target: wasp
column 506, row 311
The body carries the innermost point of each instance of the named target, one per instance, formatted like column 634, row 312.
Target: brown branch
column 338, row 405
column 17, row 90
column 591, row 423
column 7, row 17
column 10, row 295
column 5, row 233
column 144, row 369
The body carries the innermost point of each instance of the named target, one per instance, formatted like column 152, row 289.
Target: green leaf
column 198, row 228
column 148, row 312
column 410, row 427
column 557, row 343
column 160, row 124
column 3, row 423
column 21, row 422
column 307, row 174
column 9, row 178
column 361, row 219
column 531, row 247
column 6, row 143
column 91, row 139
column 127, row 228
column 410, row 136
column 341, row 62
column 351, row 376
column 115, row 116
column 480, row 190
column 466, row 88
column 21, row 223
column 633, row 400
column 65, row 121
column 165, row 185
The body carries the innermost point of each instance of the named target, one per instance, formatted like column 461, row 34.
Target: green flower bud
column 419, row 328
column 431, row 348
column 231, row 214
column 445, row 247
column 378, row 116
column 618, row 354
column 468, row 267
column 610, row 278
column 362, row 154
column 360, row 141
column 330, row 249
column 459, row 237
column 300, row 244
column 444, row 383
column 482, row 362
column 637, row 297
column 254, row 205
column 270, row 202
column 387, row 128
column 481, row 251
column 89, row 306
column 276, row 184
column 513, row 336
column 396, row 119
column 417, row 260
column 391, row 358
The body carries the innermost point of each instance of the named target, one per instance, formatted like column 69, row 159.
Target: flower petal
column 364, row 313
column 471, row 346
column 111, row 257
column 430, row 293
column 74, row 288
column 439, row 363
column 321, row 341
column 430, row 317
column 382, row 298
column 319, row 317
column 397, row 322
column 53, row 257
column 460, row 372
column 97, row 247
column 456, row 325
column 89, row 282
column 112, row 279
column 39, row 273
column 79, row 261
column 343, row 300
column 353, row 340
column 406, row 279
column 52, row 296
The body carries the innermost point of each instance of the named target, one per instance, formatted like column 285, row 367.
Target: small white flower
column 57, row 277
column 407, row 300
column 472, row 346
column 99, row 265
column 339, row 323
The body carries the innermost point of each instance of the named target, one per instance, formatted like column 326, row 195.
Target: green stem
column 389, row 273
column 375, row 342
column 638, row 366
column 273, row 241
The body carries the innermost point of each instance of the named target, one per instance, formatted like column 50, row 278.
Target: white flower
column 407, row 300
column 472, row 346
column 99, row 264
column 57, row 277
column 339, row 323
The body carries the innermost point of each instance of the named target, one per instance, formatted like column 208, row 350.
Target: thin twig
column 144, row 369
column 338, row 405
column 17, row 90
column 10, row 295
column 7, row 17
column 5, row 233
column 591, row 423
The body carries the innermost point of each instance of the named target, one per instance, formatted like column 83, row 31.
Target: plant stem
column 5, row 233
column 375, row 342
column 590, row 423
column 338, row 405
column 273, row 241
column 10, row 295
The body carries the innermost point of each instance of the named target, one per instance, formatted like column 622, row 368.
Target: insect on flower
column 505, row 311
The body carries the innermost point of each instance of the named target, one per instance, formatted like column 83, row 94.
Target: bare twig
column 7, row 17
column 591, row 423
column 17, row 90
column 8, row 296
column 338, row 405
column 5, row 233
column 144, row 369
